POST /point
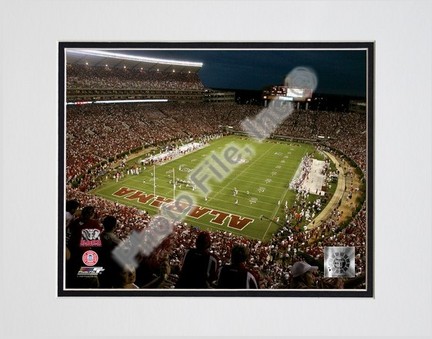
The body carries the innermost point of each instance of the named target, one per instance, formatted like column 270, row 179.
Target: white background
column 30, row 31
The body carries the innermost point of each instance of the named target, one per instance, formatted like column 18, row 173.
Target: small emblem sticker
column 90, row 258
column 339, row 262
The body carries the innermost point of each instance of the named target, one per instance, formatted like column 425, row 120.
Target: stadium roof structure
column 102, row 58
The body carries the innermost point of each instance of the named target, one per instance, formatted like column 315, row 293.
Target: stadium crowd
column 98, row 134
column 345, row 132
column 84, row 76
column 269, row 262
column 136, row 126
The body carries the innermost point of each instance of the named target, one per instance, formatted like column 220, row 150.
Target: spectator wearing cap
column 303, row 275
column 199, row 268
column 236, row 275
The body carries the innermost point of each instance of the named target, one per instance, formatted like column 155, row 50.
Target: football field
column 261, row 182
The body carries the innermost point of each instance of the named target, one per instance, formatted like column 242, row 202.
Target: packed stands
column 82, row 76
column 97, row 135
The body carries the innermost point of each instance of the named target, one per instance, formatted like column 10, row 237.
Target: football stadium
column 174, row 185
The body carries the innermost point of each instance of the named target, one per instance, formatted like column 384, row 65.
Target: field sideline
column 262, row 185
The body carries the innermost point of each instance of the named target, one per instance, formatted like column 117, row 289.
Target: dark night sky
column 338, row 72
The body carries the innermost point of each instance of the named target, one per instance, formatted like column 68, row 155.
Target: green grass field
column 265, row 177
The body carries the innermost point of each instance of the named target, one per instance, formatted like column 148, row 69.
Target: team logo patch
column 339, row 262
column 90, row 237
column 90, row 258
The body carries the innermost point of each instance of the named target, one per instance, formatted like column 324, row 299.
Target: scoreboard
column 288, row 93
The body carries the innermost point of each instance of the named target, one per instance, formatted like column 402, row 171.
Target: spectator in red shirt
column 85, row 236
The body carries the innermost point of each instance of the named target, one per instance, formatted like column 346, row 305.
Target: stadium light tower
column 129, row 57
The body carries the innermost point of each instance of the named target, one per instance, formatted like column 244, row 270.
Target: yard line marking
column 275, row 211
column 250, row 164
column 258, row 169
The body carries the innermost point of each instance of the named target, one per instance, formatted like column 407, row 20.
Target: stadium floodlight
column 79, row 103
column 105, row 54
column 129, row 101
column 115, row 101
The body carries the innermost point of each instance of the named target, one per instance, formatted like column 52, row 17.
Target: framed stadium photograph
column 216, row 169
